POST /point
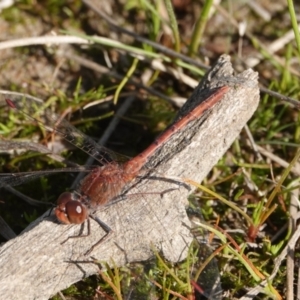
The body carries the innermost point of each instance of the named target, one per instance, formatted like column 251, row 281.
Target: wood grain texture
column 35, row 265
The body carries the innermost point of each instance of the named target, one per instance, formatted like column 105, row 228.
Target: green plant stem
column 199, row 28
column 125, row 79
column 174, row 25
column 294, row 23
column 283, row 177
column 229, row 203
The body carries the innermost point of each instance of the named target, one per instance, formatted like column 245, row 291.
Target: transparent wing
column 34, row 109
column 14, row 179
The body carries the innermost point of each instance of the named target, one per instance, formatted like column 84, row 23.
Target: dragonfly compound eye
column 64, row 198
column 76, row 212
column 69, row 211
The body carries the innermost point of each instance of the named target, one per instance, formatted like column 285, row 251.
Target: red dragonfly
column 104, row 182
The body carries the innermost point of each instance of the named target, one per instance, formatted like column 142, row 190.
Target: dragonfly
column 106, row 181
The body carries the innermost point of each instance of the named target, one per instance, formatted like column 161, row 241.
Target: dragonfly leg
column 106, row 228
column 80, row 235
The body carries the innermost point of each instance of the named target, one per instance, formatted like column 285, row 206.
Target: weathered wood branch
column 35, row 265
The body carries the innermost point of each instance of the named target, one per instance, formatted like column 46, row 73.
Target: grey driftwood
column 35, row 265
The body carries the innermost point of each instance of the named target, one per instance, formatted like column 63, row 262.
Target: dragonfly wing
column 35, row 109
column 15, row 179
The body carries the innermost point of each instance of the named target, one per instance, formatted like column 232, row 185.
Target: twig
column 290, row 263
column 280, row 161
column 43, row 40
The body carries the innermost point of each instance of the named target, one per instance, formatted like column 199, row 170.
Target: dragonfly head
column 69, row 210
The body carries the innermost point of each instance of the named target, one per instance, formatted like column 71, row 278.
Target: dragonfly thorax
column 104, row 183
